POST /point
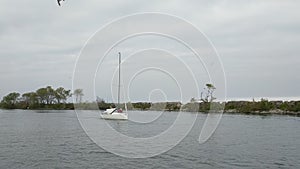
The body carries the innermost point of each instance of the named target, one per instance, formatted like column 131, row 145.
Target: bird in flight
column 58, row 1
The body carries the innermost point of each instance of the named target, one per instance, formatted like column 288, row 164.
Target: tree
column 209, row 90
column 61, row 95
column 41, row 95
column 46, row 95
column 10, row 100
column 30, row 98
column 78, row 95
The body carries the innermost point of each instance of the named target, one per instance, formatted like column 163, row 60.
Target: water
column 54, row 139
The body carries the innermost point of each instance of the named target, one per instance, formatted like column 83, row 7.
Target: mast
column 119, row 85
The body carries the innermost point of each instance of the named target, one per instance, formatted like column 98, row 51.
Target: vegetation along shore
column 48, row 98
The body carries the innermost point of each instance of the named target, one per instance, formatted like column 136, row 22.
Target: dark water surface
column 55, row 139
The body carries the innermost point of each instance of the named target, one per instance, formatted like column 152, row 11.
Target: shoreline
column 263, row 107
column 225, row 112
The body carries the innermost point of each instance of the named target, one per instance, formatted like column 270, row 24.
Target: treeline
column 43, row 98
column 244, row 107
column 50, row 98
column 263, row 107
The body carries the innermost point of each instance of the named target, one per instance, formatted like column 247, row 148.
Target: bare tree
column 207, row 96
column 78, row 95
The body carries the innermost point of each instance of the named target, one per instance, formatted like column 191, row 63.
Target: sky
column 257, row 43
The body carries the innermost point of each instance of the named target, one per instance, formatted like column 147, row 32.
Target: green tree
column 46, row 95
column 61, row 95
column 10, row 100
column 30, row 98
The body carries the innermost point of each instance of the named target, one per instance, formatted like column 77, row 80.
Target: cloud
column 257, row 40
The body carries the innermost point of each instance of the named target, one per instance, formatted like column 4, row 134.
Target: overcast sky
column 257, row 41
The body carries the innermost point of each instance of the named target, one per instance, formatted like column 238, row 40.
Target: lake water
column 55, row 139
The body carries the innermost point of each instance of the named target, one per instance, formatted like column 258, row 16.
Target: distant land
column 48, row 98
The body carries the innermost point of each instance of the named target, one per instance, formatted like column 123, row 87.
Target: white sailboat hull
column 113, row 114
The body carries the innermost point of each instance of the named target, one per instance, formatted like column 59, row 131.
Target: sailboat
column 116, row 113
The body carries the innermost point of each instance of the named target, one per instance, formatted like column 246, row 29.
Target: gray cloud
column 257, row 40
